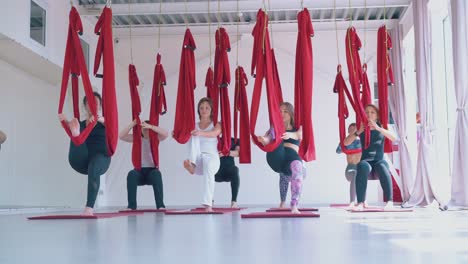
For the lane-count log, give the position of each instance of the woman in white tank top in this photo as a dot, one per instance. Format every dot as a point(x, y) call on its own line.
point(149, 173)
point(203, 151)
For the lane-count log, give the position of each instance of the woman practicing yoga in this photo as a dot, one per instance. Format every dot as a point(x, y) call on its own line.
point(229, 172)
point(352, 160)
point(90, 158)
point(372, 158)
point(285, 159)
point(203, 152)
point(149, 173)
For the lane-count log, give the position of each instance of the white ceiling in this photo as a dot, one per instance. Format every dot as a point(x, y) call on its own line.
point(144, 16)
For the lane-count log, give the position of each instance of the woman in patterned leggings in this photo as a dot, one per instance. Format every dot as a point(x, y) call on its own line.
point(285, 159)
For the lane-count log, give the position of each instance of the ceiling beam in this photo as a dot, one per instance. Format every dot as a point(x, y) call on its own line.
point(379, 14)
point(230, 6)
point(357, 12)
point(246, 28)
point(391, 12)
point(196, 18)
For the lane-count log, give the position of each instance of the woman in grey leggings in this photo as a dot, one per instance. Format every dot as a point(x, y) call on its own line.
point(352, 160)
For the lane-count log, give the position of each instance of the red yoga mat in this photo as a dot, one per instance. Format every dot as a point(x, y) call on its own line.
point(339, 205)
point(192, 212)
point(220, 209)
point(95, 216)
point(289, 209)
point(380, 210)
point(279, 215)
point(144, 211)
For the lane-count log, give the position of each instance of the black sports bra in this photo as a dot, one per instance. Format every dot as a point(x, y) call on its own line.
point(291, 140)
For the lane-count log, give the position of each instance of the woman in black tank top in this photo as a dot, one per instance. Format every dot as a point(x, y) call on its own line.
point(91, 157)
point(285, 160)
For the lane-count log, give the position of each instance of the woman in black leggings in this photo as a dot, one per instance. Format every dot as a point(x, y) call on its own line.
point(229, 172)
point(90, 158)
point(372, 158)
point(149, 173)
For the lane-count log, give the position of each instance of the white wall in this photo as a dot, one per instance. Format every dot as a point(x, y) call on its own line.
point(33, 161)
point(34, 165)
point(15, 19)
point(259, 184)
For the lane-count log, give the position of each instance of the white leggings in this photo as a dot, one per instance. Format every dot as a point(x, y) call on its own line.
point(206, 165)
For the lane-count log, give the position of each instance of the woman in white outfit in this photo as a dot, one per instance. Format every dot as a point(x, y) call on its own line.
point(203, 151)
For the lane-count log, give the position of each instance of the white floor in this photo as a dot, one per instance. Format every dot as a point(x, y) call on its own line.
point(423, 236)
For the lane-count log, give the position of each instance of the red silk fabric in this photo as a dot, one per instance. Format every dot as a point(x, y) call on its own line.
point(241, 116)
point(384, 79)
point(184, 122)
point(74, 65)
point(158, 106)
point(105, 49)
point(263, 64)
point(303, 85)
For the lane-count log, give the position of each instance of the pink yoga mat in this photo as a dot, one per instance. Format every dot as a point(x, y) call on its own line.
point(57, 217)
point(220, 209)
point(279, 215)
point(71, 216)
point(192, 212)
point(289, 209)
point(380, 210)
point(339, 205)
point(145, 211)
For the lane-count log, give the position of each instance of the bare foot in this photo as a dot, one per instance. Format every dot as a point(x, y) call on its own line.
point(366, 205)
point(74, 127)
point(189, 166)
point(388, 205)
point(295, 210)
point(351, 205)
point(208, 208)
point(359, 207)
point(87, 211)
point(234, 205)
point(281, 205)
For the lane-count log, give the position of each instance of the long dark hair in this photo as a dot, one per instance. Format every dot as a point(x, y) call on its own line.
point(210, 102)
point(96, 94)
point(290, 110)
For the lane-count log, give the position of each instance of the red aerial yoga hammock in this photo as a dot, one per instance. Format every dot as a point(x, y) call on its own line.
point(105, 49)
point(353, 44)
point(303, 85)
point(184, 122)
point(276, 79)
point(222, 79)
point(366, 98)
point(211, 91)
point(343, 113)
point(74, 64)
point(158, 107)
point(264, 63)
point(384, 78)
point(241, 105)
point(158, 102)
point(136, 110)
